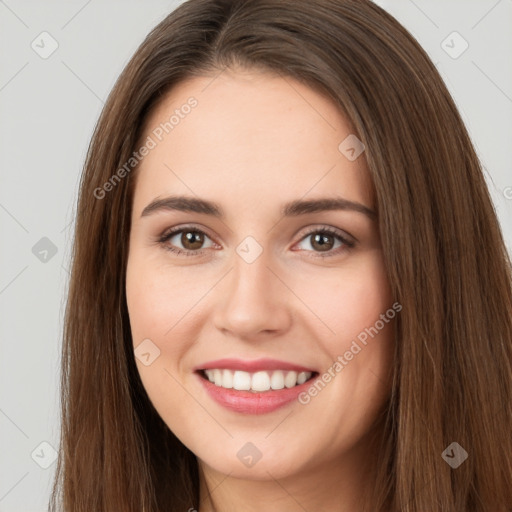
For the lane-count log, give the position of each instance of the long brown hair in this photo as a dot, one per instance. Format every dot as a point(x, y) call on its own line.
point(443, 248)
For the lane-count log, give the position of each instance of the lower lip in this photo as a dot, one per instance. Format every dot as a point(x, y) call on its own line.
point(247, 402)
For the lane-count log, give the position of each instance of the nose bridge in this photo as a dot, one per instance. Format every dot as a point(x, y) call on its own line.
point(251, 279)
point(251, 274)
point(252, 299)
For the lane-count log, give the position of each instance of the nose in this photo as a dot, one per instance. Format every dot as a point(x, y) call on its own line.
point(252, 301)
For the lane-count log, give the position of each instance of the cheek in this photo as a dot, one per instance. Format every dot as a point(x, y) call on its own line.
point(164, 306)
point(349, 299)
point(158, 298)
point(155, 307)
point(144, 301)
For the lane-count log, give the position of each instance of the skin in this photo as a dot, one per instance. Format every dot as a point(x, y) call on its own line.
point(253, 142)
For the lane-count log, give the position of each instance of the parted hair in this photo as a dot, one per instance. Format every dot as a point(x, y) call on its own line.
point(443, 249)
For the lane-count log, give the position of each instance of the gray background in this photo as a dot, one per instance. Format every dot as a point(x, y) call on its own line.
point(48, 108)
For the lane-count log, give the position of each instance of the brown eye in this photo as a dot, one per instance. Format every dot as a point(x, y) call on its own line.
point(322, 242)
point(186, 241)
point(192, 240)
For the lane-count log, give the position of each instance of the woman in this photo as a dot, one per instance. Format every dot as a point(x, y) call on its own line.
point(289, 287)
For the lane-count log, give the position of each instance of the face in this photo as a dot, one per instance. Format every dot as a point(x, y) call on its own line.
point(262, 324)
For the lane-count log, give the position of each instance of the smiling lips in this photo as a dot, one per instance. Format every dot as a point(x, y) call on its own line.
point(253, 387)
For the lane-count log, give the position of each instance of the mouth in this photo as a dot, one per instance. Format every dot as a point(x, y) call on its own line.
point(256, 382)
point(254, 387)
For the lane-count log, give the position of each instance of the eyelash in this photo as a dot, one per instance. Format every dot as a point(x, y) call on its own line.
point(348, 244)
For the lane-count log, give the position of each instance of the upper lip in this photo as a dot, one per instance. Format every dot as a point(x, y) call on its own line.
point(252, 366)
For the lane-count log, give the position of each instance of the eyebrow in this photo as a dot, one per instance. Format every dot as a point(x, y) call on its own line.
point(291, 209)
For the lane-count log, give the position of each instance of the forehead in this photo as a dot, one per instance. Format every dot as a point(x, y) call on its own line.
point(253, 134)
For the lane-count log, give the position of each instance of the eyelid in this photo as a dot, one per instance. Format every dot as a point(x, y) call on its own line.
point(347, 237)
point(191, 227)
point(348, 240)
point(168, 233)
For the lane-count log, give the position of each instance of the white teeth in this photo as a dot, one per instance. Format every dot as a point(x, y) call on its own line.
point(290, 380)
point(242, 381)
point(302, 377)
point(277, 380)
point(258, 382)
point(227, 379)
